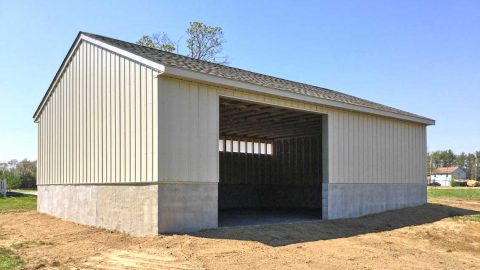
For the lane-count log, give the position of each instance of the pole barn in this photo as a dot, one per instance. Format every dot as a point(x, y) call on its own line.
point(144, 141)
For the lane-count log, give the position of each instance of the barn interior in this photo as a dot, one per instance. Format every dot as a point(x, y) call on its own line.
point(270, 164)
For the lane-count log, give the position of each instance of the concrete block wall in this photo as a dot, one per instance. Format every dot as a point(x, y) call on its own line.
point(187, 206)
point(354, 200)
point(130, 209)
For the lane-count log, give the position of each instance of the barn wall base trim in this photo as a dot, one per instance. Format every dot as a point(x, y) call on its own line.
point(354, 200)
point(129, 209)
point(187, 207)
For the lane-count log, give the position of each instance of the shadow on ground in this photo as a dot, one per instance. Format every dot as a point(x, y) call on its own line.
point(18, 194)
point(285, 234)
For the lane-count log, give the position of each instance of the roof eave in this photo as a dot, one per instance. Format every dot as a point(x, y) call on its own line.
point(202, 77)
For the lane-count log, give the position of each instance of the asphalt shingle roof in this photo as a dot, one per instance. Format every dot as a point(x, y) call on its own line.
point(445, 170)
point(223, 71)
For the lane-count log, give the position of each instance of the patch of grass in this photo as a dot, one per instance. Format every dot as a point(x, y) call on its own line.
point(17, 203)
point(475, 218)
point(454, 193)
point(31, 243)
point(8, 260)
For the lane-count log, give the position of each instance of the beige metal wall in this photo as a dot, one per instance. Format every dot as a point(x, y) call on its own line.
point(103, 124)
point(100, 124)
point(188, 134)
point(363, 148)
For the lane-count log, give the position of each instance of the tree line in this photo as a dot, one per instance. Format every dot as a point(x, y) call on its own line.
point(23, 175)
point(447, 158)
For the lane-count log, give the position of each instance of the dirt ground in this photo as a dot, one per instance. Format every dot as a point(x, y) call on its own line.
point(433, 236)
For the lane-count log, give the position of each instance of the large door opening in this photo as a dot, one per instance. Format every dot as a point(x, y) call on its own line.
point(270, 164)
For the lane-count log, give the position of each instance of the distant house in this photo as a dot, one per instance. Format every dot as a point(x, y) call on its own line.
point(444, 175)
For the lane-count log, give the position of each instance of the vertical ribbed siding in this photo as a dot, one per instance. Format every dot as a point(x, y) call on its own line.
point(363, 148)
point(100, 123)
point(188, 133)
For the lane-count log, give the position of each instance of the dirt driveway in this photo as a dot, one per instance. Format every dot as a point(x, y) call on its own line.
point(433, 236)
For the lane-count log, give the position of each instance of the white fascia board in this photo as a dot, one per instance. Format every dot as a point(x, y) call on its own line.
point(187, 74)
point(154, 65)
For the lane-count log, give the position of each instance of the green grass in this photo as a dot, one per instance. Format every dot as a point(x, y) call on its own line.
point(454, 193)
point(8, 259)
point(17, 203)
point(31, 243)
point(475, 218)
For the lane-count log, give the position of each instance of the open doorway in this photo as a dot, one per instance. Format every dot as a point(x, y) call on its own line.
point(270, 164)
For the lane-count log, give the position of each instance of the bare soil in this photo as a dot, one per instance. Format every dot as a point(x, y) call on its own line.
point(433, 236)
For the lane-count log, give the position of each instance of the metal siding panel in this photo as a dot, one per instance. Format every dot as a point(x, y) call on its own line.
point(148, 126)
point(143, 124)
point(58, 134)
point(77, 119)
point(340, 153)
point(162, 127)
point(128, 129)
point(386, 173)
point(138, 146)
point(67, 107)
point(402, 153)
point(203, 129)
point(155, 138)
point(40, 157)
point(382, 145)
point(46, 133)
point(93, 100)
point(194, 119)
point(132, 117)
point(213, 127)
point(333, 145)
point(73, 120)
point(121, 116)
point(362, 143)
point(113, 122)
point(90, 119)
point(39, 154)
point(66, 116)
point(117, 120)
point(104, 115)
point(83, 119)
point(49, 140)
point(183, 170)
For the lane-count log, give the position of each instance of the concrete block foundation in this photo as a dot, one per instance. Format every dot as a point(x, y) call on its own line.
point(354, 200)
point(134, 209)
point(188, 206)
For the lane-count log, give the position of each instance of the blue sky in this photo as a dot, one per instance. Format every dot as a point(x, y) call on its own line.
point(419, 56)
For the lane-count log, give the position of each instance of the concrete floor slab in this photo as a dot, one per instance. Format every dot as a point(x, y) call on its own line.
point(250, 217)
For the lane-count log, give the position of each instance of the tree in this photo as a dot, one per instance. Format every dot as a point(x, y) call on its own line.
point(205, 42)
point(24, 175)
point(13, 179)
point(27, 170)
point(158, 41)
point(467, 161)
point(443, 158)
